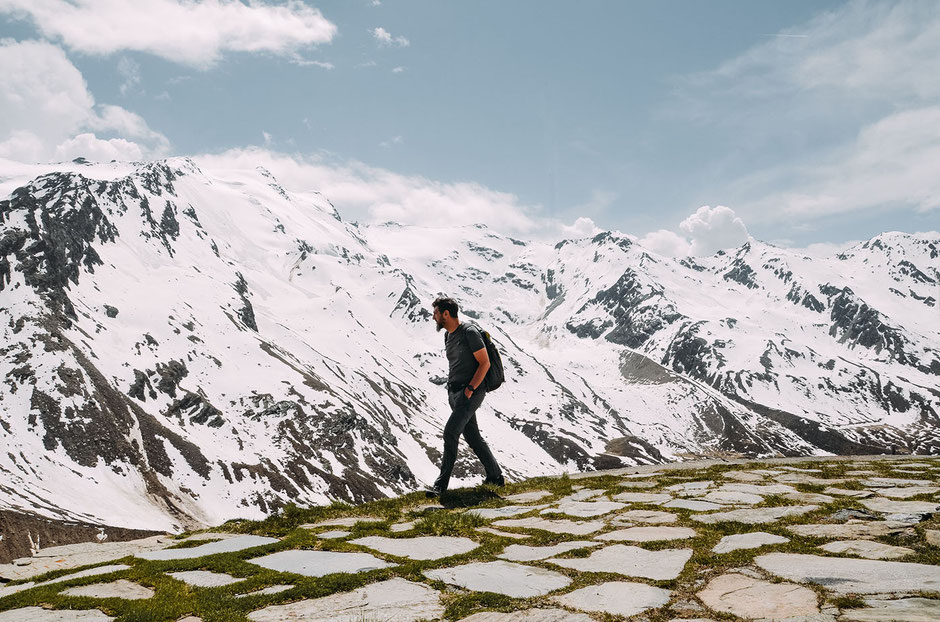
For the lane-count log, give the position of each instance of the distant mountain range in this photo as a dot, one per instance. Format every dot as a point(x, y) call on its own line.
point(181, 347)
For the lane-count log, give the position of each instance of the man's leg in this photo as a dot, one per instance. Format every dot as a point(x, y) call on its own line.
point(461, 411)
point(472, 435)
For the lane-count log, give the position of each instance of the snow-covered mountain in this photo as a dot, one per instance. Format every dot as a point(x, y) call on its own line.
point(181, 347)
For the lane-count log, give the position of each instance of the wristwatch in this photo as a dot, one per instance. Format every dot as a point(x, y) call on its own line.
point(469, 386)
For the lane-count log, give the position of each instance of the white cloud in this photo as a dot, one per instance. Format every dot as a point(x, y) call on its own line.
point(93, 148)
point(707, 230)
point(583, 227)
point(364, 193)
point(398, 70)
point(386, 144)
point(713, 228)
point(384, 37)
point(856, 101)
point(666, 242)
point(45, 103)
point(312, 63)
point(893, 164)
point(190, 33)
point(130, 71)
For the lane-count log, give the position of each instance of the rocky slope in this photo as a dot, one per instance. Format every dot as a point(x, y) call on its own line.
point(180, 347)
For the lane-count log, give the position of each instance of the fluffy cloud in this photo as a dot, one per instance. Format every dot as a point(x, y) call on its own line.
point(190, 33)
point(96, 149)
point(365, 193)
point(384, 37)
point(45, 105)
point(708, 230)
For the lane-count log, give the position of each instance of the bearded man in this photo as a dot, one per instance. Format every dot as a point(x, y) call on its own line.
point(467, 366)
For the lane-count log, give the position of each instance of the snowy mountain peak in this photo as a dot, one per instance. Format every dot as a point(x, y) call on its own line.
point(206, 344)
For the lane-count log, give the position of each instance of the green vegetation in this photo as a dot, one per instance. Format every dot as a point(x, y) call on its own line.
point(299, 528)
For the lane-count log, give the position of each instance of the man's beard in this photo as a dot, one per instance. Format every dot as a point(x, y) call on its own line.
point(440, 325)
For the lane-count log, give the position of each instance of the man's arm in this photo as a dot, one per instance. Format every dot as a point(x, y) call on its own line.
point(483, 361)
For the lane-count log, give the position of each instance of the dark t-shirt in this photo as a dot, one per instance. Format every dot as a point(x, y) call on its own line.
point(460, 346)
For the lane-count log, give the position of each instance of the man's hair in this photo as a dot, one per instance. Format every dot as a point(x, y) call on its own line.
point(446, 304)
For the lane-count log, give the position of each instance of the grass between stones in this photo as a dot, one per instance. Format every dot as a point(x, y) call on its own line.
point(174, 599)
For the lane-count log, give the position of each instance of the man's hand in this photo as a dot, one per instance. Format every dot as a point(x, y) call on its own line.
point(467, 392)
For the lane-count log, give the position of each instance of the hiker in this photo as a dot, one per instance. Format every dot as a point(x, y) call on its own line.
point(468, 364)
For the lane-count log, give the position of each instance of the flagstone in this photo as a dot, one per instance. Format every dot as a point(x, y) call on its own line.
point(333, 535)
point(732, 497)
point(615, 597)
point(91, 572)
point(860, 473)
point(349, 521)
point(644, 516)
point(273, 589)
point(851, 530)
point(758, 489)
point(908, 491)
point(515, 580)
point(808, 497)
point(900, 610)
point(694, 505)
point(643, 475)
point(753, 540)
point(503, 534)
point(319, 563)
point(858, 576)
point(691, 486)
point(744, 476)
point(859, 494)
point(583, 495)
point(399, 527)
point(529, 615)
point(76, 555)
point(799, 470)
point(577, 528)
point(754, 516)
point(521, 553)
point(642, 497)
point(867, 549)
point(631, 561)
point(635, 484)
point(751, 598)
point(585, 509)
point(890, 506)
point(647, 534)
point(800, 478)
point(502, 512)
point(205, 578)
point(891, 482)
point(38, 614)
point(932, 536)
point(223, 546)
point(423, 547)
point(395, 600)
point(122, 588)
point(528, 497)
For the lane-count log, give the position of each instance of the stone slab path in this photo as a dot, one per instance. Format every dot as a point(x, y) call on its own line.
point(778, 540)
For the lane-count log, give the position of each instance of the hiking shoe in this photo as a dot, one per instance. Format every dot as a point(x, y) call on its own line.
point(499, 481)
point(432, 491)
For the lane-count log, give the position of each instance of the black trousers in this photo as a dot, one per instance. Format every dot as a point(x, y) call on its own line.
point(463, 420)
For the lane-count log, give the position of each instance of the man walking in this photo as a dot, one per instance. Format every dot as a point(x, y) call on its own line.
point(467, 366)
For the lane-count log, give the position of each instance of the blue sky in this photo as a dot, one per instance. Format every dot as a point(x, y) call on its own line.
point(811, 122)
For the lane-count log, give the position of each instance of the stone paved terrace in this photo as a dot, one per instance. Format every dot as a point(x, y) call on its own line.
point(808, 540)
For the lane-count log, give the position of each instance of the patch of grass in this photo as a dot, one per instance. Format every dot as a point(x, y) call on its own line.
point(849, 601)
point(450, 524)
